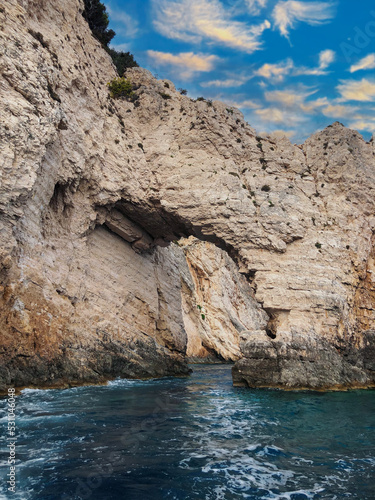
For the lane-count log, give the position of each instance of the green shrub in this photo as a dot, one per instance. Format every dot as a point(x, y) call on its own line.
point(265, 188)
point(165, 96)
point(203, 316)
point(318, 245)
point(121, 87)
point(122, 60)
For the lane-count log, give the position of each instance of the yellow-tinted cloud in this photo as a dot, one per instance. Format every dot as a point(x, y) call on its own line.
point(187, 63)
point(338, 111)
point(276, 72)
point(282, 133)
point(289, 98)
point(280, 116)
point(363, 125)
point(357, 90)
point(287, 13)
point(195, 20)
point(367, 62)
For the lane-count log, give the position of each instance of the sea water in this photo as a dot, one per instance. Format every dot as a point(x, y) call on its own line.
point(191, 438)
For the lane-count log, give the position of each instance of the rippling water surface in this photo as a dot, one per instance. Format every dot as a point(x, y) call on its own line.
point(193, 438)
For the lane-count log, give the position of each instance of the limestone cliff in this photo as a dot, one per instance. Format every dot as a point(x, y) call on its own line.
point(94, 189)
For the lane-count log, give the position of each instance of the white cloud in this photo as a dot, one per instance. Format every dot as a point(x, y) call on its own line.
point(254, 6)
point(125, 25)
point(290, 98)
point(227, 83)
point(186, 63)
point(326, 58)
point(123, 47)
point(339, 111)
point(367, 62)
point(196, 20)
point(276, 72)
point(280, 116)
point(292, 101)
point(367, 126)
point(247, 104)
point(287, 14)
point(357, 90)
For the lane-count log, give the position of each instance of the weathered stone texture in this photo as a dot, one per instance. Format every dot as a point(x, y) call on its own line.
point(94, 189)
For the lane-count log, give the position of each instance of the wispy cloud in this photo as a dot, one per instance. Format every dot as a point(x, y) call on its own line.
point(363, 125)
point(339, 111)
point(367, 62)
point(326, 58)
point(287, 14)
point(186, 63)
point(297, 99)
point(279, 116)
point(197, 20)
point(357, 90)
point(125, 25)
point(255, 6)
point(245, 104)
point(291, 98)
point(294, 106)
point(276, 72)
point(227, 83)
point(123, 47)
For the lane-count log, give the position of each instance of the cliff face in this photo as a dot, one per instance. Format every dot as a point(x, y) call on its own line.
point(93, 190)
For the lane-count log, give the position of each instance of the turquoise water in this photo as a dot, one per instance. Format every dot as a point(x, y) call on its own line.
point(192, 438)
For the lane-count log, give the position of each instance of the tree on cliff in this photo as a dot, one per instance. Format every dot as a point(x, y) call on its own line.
point(96, 15)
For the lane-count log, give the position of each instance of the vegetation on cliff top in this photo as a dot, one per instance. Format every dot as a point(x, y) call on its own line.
point(96, 15)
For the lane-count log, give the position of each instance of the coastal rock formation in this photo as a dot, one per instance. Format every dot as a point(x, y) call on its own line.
point(94, 190)
point(224, 300)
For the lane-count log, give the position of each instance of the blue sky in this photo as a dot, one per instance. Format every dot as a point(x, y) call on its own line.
point(291, 66)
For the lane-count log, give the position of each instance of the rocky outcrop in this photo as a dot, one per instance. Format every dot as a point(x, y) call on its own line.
point(94, 189)
point(300, 361)
point(224, 301)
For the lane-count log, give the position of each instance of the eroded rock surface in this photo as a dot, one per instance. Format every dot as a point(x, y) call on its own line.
point(94, 189)
point(224, 300)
